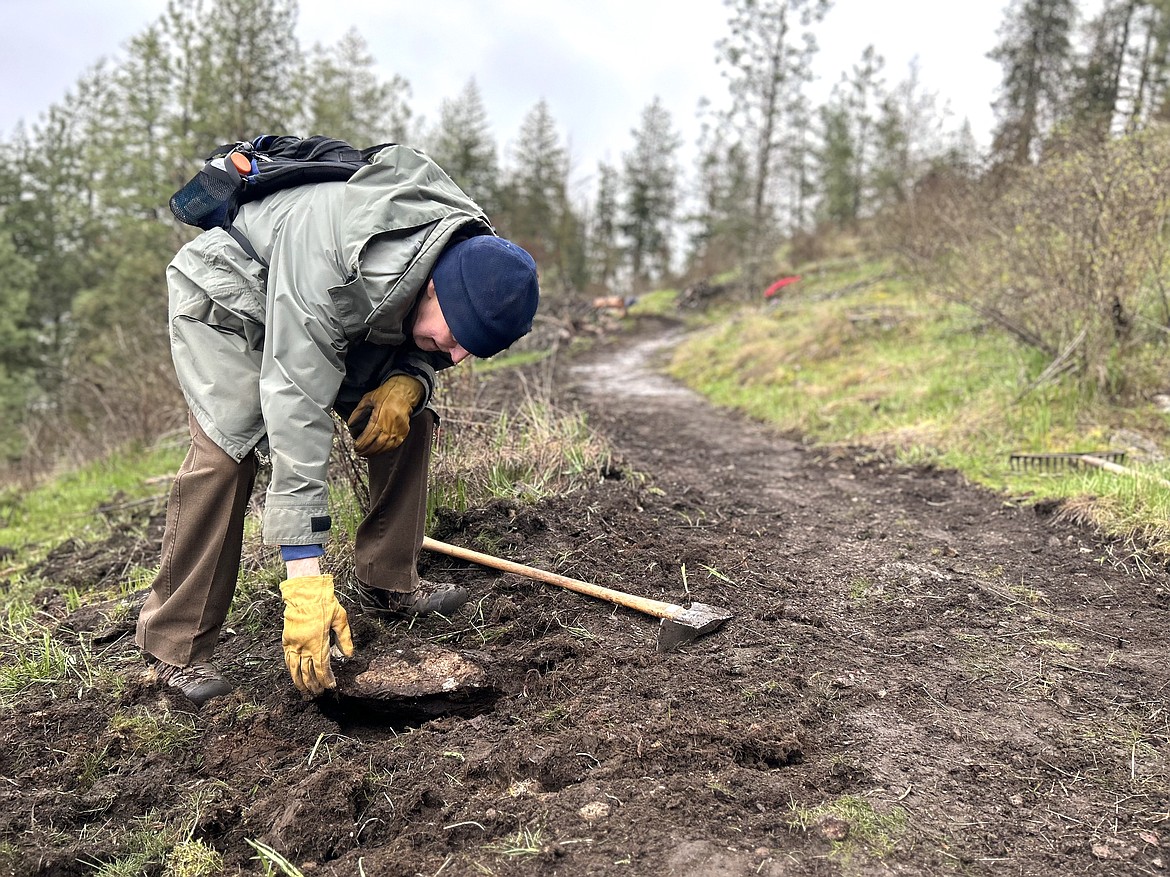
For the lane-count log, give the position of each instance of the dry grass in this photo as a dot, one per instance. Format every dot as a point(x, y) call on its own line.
point(521, 447)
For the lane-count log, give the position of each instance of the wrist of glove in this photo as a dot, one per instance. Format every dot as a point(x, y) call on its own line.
point(388, 410)
point(311, 616)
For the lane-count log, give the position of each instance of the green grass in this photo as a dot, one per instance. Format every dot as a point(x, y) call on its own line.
point(148, 731)
point(509, 360)
point(27, 660)
point(864, 827)
point(32, 521)
point(847, 361)
point(157, 846)
point(657, 303)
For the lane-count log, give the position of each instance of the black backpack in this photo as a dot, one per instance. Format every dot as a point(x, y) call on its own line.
point(237, 173)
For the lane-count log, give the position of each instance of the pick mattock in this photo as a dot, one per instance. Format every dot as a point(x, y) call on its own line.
point(680, 624)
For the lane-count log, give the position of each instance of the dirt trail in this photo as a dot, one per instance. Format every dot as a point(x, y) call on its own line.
point(921, 678)
point(671, 432)
point(998, 677)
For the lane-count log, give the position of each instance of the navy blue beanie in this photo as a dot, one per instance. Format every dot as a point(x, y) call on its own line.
point(488, 292)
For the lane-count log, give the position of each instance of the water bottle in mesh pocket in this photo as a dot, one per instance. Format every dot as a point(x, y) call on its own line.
point(209, 198)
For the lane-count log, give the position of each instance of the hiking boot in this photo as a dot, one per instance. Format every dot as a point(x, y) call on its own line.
point(199, 682)
point(426, 599)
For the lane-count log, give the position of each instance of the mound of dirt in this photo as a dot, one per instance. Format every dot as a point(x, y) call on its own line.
point(919, 678)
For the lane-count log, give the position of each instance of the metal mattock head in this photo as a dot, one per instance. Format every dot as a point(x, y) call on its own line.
point(696, 620)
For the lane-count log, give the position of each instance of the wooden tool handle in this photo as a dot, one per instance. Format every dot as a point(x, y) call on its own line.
point(642, 604)
point(1118, 469)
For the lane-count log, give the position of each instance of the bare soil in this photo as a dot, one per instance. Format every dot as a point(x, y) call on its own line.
point(921, 678)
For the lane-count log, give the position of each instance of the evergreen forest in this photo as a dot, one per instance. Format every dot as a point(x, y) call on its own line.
point(1053, 233)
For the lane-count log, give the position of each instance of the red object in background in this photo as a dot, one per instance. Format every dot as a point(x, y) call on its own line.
point(780, 284)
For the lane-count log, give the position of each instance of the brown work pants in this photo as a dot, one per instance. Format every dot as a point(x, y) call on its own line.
point(183, 615)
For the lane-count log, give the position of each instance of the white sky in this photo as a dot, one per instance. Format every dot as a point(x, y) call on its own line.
point(597, 63)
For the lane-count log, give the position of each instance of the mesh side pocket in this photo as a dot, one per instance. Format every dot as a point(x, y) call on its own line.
point(208, 199)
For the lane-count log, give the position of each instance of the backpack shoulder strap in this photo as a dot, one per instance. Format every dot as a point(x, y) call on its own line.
point(245, 244)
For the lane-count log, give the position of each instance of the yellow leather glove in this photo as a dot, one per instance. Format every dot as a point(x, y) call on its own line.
point(388, 408)
point(311, 611)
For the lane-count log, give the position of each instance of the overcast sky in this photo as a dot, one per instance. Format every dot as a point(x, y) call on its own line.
point(597, 63)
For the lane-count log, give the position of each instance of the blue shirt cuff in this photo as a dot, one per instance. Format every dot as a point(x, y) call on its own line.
point(300, 552)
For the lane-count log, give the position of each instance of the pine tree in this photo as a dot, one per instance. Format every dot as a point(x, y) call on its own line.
point(865, 94)
point(1156, 96)
point(56, 224)
point(1035, 53)
point(797, 158)
point(1123, 80)
point(344, 98)
point(464, 147)
point(847, 154)
point(650, 187)
point(137, 150)
point(1096, 78)
point(721, 224)
point(892, 172)
point(535, 192)
point(768, 61)
point(182, 38)
point(911, 137)
point(17, 330)
point(605, 254)
point(130, 164)
point(247, 55)
point(837, 163)
point(17, 374)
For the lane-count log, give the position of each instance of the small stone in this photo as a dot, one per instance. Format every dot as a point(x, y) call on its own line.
point(834, 829)
point(594, 810)
point(524, 788)
point(1113, 849)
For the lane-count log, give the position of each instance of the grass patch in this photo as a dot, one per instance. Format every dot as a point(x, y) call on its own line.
point(523, 449)
point(534, 452)
point(658, 303)
point(510, 360)
point(1058, 645)
point(162, 847)
point(31, 655)
point(148, 731)
point(194, 858)
point(30, 660)
point(858, 359)
point(1134, 741)
point(32, 521)
point(850, 823)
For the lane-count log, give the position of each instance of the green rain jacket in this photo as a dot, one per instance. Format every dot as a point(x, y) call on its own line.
point(263, 352)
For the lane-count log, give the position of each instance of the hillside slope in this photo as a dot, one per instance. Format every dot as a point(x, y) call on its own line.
point(920, 678)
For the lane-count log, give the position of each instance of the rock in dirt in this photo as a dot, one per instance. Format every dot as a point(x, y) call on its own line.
point(593, 811)
point(417, 672)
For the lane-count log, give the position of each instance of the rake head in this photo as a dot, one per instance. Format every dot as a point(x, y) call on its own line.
point(1055, 462)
